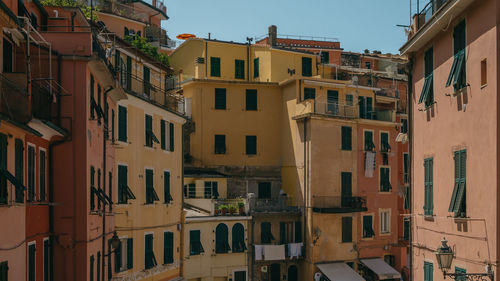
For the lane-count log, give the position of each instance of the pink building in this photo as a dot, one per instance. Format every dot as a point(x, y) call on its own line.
point(453, 50)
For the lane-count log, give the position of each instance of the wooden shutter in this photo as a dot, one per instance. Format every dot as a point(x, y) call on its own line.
point(346, 189)
point(146, 80)
point(46, 256)
point(31, 262)
point(171, 136)
point(194, 241)
point(368, 140)
point(346, 138)
point(251, 145)
point(265, 229)
point(130, 253)
point(346, 229)
point(91, 268)
point(298, 232)
point(239, 71)
point(148, 130)
point(220, 98)
point(306, 66)
point(168, 247)
point(149, 187)
point(148, 248)
point(238, 233)
point(215, 66)
point(256, 68)
point(19, 155)
point(283, 233)
point(166, 187)
point(92, 99)
point(251, 99)
point(162, 136)
point(122, 123)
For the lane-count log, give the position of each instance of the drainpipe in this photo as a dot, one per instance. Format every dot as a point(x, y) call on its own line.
point(410, 155)
point(306, 192)
point(206, 57)
point(103, 178)
point(183, 218)
point(73, 15)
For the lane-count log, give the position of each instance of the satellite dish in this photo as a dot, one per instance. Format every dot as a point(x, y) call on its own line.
point(185, 36)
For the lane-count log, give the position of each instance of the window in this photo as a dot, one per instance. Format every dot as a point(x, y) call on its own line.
point(239, 69)
point(385, 179)
point(369, 145)
point(150, 136)
point(124, 192)
point(124, 255)
point(110, 190)
point(458, 198)
point(428, 271)
point(427, 94)
point(365, 107)
point(264, 190)
point(221, 239)
point(406, 178)
point(390, 260)
point(256, 68)
point(149, 255)
point(484, 73)
point(91, 268)
point(368, 65)
point(290, 232)
point(428, 186)
point(406, 229)
point(19, 169)
point(266, 236)
point(457, 74)
point(4, 271)
point(98, 266)
point(98, 107)
point(306, 67)
point(220, 144)
point(122, 123)
point(31, 172)
point(368, 226)
point(404, 126)
point(7, 56)
point(325, 57)
point(195, 245)
point(407, 198)
point(168, 247)
point(125, 31)
point(239, 245)
point(346, 229)
point(113, 125)
point(460, 271)
point(211, 189)
point(31, 261)
point(251, 99)
point(385, 221)
point(346, 138)
point(92, 99)
point(146, 77)
point(220, 98)
point(384, 142)
point(171, 137)
point(46, 260)
point(163, 131)
point(3, 167)
point(349, 99)
point(346, 189)
point(309, 93)
point(43, 174)
point(251, 145)
point(151, 195)
point(192, 191)
point(214, 66)
point(166, 187)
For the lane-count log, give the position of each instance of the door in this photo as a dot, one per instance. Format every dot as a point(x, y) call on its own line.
point(146, 80)
point(240, 276)
point(346, 189)
point(332, 99)
point(275, 272)
point(293, 273)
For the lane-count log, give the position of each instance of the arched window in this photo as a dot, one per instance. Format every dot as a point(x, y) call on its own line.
point(239, 238)
point(221, 239)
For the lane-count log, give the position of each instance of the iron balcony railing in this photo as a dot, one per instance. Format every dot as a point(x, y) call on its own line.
point(271, 205)
point(426, 13)
point(14, 100)
point(335, 109)
point(338, 204)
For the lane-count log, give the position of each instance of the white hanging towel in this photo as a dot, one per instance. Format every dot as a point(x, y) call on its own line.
point(295, 250)
point(369, 164)
point(259, 250)
point(274, 252)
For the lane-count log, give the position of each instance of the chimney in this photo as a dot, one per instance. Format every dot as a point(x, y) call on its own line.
point(273, 35)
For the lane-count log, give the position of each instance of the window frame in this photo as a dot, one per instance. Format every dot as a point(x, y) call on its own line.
point(31, 244)
point(251, 151)
point(250, 95)
point(239, 69)
point(429, 186)
point(347, 146)
point(217, 141)
point(381, 188)
point(217, 100)
point(382, 230)
point(363, 236)
point(122, 109)
point(215, 66)
point(40, 149)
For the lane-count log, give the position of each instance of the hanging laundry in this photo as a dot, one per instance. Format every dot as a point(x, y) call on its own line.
point(295, 250)
point(259, 251)
point(369, 164)
point(274, 252)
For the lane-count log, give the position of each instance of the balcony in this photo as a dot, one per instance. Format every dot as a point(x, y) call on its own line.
point(14, 101)
point(338, 204)
point(287, 251)
point(272, 205)
point(425, 14)
point(328, 109)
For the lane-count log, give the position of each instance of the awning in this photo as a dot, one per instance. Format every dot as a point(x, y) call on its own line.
point(339, 271)
point(381, 268)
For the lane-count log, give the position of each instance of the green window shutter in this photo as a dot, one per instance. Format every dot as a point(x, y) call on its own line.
point(148, 130)
point(166, 187)
point(4, 271)
point(46, 256)
point(92, 187)
point(251, 145)
point(368, 227)
point(239, 69)
point(251, 99)
point(298, 232)
point(19, 159)
point(31, 262)
point(369, 145)
point(309, 93)
point(346, 189)
point(428, 271)
point(163, 139)
point(406, 229)
point(118, 259)
point(194, 241)
point(117, 59)
point(220, 98)
point(149, 187)
point(220, 144)
point(256, 68)
point(3, 166)
point(91, 268)
point(168, 247)
point(122, 183)
point(99, 103)
point(221, 239)
point(458, 198)
point(215, 66)
point(266, 235)
point(282, 233)
point(171, 136)
point(306, 67)
point(346, 138)
point(238, 238)
point(346, 229)
point(98, 266)
point(130, 253)
point(384, 142)
point(428, 185)
point(146, 85)
point(92, 98)
point(460, 271)
point(427, 94)
point(122, 123)
point(148, 251)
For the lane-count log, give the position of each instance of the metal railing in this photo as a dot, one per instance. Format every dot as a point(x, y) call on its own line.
point(379, 115)
point(425, 14)
point(124, 10)
point(280, 204)
point(335, 109)
point(14, 100)
point(230, 207)
point(338, 202)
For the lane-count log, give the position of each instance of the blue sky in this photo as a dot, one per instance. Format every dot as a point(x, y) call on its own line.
point(358, 24)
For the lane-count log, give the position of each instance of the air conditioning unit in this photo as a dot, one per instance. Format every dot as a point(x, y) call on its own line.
point(263, 268)
point(200, 60)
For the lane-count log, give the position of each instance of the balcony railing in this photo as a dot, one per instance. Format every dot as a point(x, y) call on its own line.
point(330, 109)
point(339, 204)
point(14, 100)
point(425, 14)
point(335, 109)
point(272, 205)
point(124, 10)
point(379, 115)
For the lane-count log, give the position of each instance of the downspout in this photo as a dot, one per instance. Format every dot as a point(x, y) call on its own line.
point(248, 61)
point(183, 218)
point(410, 154)
point(206, 57)
point(103, 178)
point(306, 192)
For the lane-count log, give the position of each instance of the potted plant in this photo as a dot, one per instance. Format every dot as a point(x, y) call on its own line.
point(223, 209)
point(232, 209)
point(241, 207)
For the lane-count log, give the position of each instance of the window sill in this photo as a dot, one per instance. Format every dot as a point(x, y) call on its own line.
point(429, 217)
point(385, 233)
point(385, 192)
point(483, 86)
point(368, 238)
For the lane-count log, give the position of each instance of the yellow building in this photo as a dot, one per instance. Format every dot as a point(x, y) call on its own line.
point(216, 229)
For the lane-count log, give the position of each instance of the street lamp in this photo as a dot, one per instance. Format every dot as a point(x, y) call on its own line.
point(444, 257)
